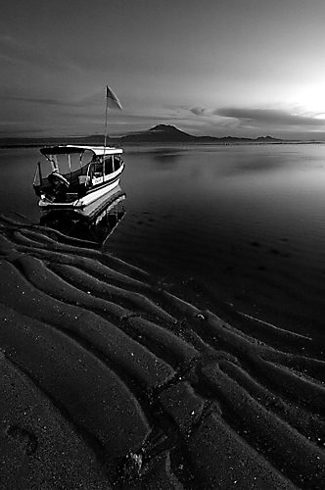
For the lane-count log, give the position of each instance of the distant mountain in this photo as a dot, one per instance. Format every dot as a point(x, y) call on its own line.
point(159, 133)
point(169, 133)
point(267, 139)
point(162, 133)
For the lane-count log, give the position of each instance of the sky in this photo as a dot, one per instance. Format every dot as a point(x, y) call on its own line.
point(210, 67)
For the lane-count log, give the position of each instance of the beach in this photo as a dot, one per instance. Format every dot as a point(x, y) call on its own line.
point(114, 378)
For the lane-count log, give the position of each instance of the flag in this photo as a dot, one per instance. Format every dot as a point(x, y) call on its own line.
point(112, 99)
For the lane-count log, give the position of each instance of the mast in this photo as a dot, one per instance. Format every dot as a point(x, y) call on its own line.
point(106, 128)
point(106, 118)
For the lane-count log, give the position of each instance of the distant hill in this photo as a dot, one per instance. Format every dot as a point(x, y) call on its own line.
point(169, 133)
point(68, 140)
point(162, 133)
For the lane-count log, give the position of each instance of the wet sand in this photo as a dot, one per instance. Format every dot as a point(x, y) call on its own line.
point(112, 378)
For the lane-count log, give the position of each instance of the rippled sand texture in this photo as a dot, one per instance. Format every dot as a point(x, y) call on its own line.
point(110, 379)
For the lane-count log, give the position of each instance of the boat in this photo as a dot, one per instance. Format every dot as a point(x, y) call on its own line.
point(95, 223)
point(76, 175)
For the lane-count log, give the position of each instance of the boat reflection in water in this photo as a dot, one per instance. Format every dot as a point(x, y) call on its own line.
point(94, 222)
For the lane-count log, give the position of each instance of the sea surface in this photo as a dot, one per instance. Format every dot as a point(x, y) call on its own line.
point(245, 223)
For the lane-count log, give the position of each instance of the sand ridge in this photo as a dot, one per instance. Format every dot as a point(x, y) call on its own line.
point(112, 379)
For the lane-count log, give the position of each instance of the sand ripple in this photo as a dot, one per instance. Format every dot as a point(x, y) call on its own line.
point(112, 379)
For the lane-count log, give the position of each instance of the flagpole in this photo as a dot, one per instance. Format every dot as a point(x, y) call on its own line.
point(106, 118)
point(106, 128)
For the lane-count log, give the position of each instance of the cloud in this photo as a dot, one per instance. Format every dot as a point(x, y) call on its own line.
point(85, 102)
point(35, 100)
point(19, 51)
point(270, 118)
point(198, 111)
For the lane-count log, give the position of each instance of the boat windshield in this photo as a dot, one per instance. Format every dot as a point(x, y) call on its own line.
point(66, 163)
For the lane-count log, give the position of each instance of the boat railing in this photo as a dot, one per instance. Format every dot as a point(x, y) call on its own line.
point(95, 169)
point(37, 180)
point(89, 171)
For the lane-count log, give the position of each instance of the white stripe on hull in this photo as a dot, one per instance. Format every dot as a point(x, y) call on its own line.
point(85, 200)
point(92, 196)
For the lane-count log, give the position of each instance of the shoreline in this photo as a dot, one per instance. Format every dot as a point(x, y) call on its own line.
point(112, 378)
point(155, 144)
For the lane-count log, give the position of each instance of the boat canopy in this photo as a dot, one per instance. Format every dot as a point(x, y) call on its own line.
point(68, 149)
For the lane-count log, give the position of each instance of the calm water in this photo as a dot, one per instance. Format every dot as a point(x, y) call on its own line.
point(248, 222)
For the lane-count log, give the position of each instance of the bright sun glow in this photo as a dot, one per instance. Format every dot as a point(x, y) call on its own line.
point(312, 99)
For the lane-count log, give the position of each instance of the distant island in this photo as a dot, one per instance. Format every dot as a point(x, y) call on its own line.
point(169, 133)
point(162, 133)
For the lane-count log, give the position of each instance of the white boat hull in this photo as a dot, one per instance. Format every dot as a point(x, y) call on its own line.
point(96, 194)
point(89, 198)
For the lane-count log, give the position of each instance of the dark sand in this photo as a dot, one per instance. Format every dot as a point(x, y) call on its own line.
point(112, 379)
